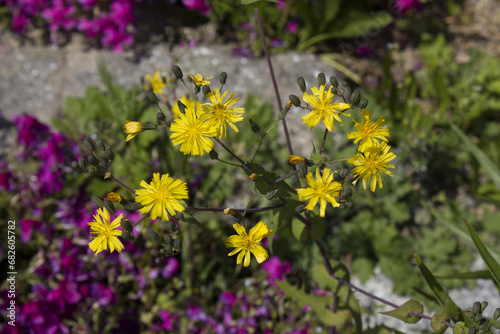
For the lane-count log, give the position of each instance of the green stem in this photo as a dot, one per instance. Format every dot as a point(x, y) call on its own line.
point(227, 149)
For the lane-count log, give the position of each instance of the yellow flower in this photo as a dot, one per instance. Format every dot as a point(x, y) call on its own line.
point(155, 83)
point(373, 161)
point(114, 197)
point(368, 131)
point(192, 130)
point(295, 159)
point(162, 197)
point(321, 103)
point(133, 129)
point(105, 233)
point(199, 80)
point(321, 189)
point(188, 102)
point(219, 112)
point(249, 243)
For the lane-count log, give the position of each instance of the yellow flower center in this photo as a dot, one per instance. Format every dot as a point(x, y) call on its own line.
point(219, 110)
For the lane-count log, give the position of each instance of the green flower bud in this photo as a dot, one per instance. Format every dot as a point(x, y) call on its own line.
point(347, 192)
point(89, 143)
point(157, 260)
point(75, 166)
point(81, 163)
point(223, 78)
point(109, 206)
point(91, 170)
point(364, 103)
point(270, 195)
point(169, 241)
point(125, 224)
point(282, 114)
point(179, 216)
point(160, 116)
point(181, 106)
point(154, 252)
point(338, 177)
point(334, 82)
point(100, 144)
point(177, 244)
point(342, 206)
point(254, 126)
point(152, 97)
point(97, 201)
point(321, 79)
point(471, 330)
point(496, 315)
point(197, 89)
point(213, 155)
point(133, 206)
point(109, 155)
point(127, 236)
point(206, 90)
point(154, 236)
point(295, 100)
point(177, 72)
point(484, 305)
point(484, 324)
point(302, 84)
point(343, 84)
point(301, 208)
point(355, 97)
point(169, 226)
point(476, 308)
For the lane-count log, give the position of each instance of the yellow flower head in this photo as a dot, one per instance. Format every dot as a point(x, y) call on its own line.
point(193, 132)
point(321, 103)
point(105, 233)
point(249, 243)
point(155, 83)
point(220, 112)
point(162, 197)
point(114, 197)
point(199, 80)
point(295, 159)
point(373, 161)
point(321, 189)
point(188, 102)
point(368, 131)
point(133, 129)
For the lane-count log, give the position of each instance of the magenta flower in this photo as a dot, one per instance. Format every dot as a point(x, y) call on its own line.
point(167, 322)
point(60, 15)
point(365, 51)
point(199, 5)
point(116, 39)
point(292, 26)
point(6, 177)
point(170, 268)
point(276, 269)
point(66, 293)
point(30, 130)
point(27, 226)
point(20, 22)
point(404, 5)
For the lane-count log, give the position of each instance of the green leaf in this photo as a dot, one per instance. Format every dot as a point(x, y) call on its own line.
point(490, 262)
point(299, 230)
point(481, 274)
point(459, 328)
point(271, 225)
point(438, 290)
point(318, 304)
point(402, 312)
point(188, 218)
point(443, 314)
point(491, 170)
point(318, 227)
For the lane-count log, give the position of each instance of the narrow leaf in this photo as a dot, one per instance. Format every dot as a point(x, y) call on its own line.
point(491, 170)
point(490, 262)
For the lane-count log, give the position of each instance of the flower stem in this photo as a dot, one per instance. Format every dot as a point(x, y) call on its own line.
point(285, 176)
point(323, 143)
point(240, 210)
point(122, 184)
point(273, 77)
point(227, 149)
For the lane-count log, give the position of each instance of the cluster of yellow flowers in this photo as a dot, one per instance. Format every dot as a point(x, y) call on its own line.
point(196, 125)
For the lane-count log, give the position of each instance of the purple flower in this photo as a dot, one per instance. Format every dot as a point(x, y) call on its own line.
point(281, 5)
point(60, 16)
point(103, 294)
point(404, 5)
point(20, 22)
point(199, 5)
point(167, 322)
point(227, 298)
point(65, 293)
point(170, 268)
point(276, 43)
point(365, 51)
point(27, 226)
point(243, 52)
point(6, 177)
point(276, 269)
point(292, 26)
point(116, 38)
point(30, 130)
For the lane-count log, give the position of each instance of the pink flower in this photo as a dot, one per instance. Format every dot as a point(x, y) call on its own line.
point(199, 5)
point(276, 269)
point(292, 27)
point(60, 16)
point(404, 5)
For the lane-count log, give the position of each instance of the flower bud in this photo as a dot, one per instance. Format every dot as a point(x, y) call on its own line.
point(133, 206)
point(223, 78)
point(343, 84)
point(109, 206)
point(154, 236)
point(484, 305)
point(152, 97)
point(81, 163)
point(496, 315)
point(114, 197)
point(295, 159)
point(254, 176)
point(301, 208)
point(160, 116)
point(213, 155)
point(282, 113)
point(169, 241)
point(89, 143)
point(254, 126)
point(338, 177)
point(355, 97)
point(228, 211)
point(91, 170)
point(334, 82)
point(109, 154)
point(177, 244)
point(177, 72)
point(206, 90)
point(127, 227)
point(364, 103)
point(179, 216)
point(484, 324)
point(197, 89)
point(302, 84)
point(154, 252)
point(295, 100)
point(342, 206)
point(476, 308)
point(127, 236)
point(347, 192)
point(75, 166)
point(169, 226)
point(181, 106)
point(97, 201)
point(321, 79)
point(100, 144)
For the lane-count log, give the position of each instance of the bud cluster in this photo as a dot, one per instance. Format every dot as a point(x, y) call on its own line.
point(169, 243)
point(97, 160)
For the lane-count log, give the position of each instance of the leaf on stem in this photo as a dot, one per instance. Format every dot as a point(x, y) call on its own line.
point(403, 312)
